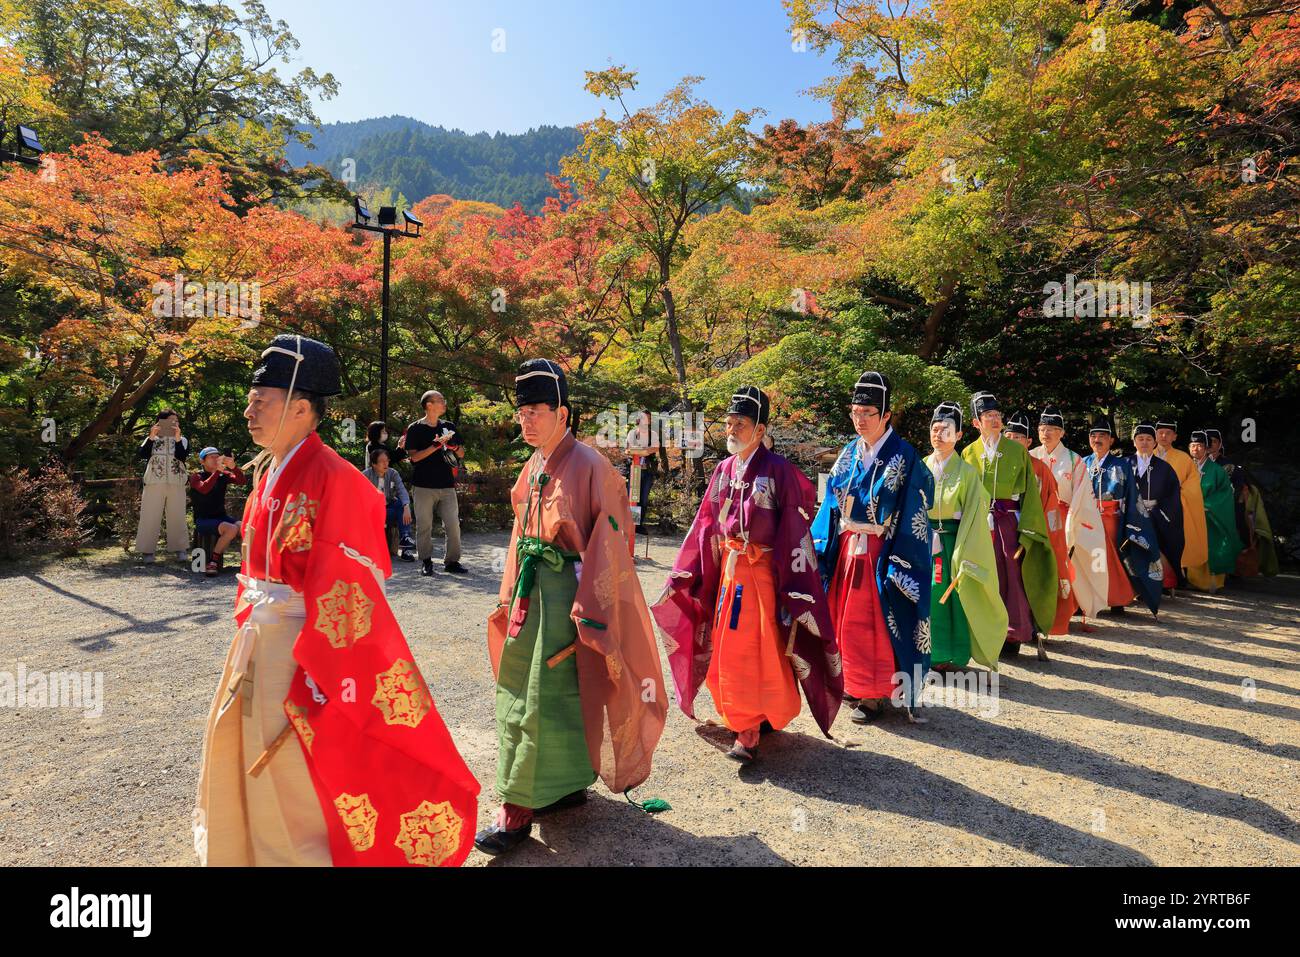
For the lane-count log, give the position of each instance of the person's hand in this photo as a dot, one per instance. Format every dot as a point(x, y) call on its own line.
point(228, 461)
point(153, 431)
point(401, 443)
point(406, 515)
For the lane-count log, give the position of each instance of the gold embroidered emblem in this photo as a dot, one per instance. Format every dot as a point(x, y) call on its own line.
point(294, 529)
point(343, 614)
point(834, 664)
point(401, 696)
point(359, 819)
point(614, 666)
point(430, 834)
point(298, 716)
point(610, 579)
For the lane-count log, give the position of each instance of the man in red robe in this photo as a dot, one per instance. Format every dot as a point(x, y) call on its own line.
point(323, 745)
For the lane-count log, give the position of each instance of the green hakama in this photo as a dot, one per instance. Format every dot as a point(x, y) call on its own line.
point(949, 633)
point(543, 744)
point(972, 622)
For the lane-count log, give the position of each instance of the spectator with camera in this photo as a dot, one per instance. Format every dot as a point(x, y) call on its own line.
point(165, 480)
point(208, 492)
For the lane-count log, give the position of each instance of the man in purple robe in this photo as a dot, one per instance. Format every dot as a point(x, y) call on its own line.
point(743, 609)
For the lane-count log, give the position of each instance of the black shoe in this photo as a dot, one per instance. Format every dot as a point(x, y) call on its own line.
point(766, 728)
point(427, 568)
point(406, 556)
point(576, 799)
point(496, 840)
point(407, 544)
point(1010, 650)
point(1118, 610)
point(456, 568)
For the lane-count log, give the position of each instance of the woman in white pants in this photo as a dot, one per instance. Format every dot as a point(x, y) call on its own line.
point(165, 482)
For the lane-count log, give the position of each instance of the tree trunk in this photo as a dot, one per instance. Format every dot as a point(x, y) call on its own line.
point(930, 342)
point(123, 399)
point(679, 361)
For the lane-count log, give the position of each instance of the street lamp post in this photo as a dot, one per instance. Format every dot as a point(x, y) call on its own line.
point(388, 227)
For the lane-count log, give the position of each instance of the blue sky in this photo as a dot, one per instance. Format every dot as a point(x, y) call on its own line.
point(433, 59)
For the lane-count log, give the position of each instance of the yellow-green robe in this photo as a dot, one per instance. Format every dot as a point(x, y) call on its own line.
point(1009, 475)
point(960, 495)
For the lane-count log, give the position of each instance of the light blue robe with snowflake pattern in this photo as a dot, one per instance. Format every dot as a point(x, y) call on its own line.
point(896, 490)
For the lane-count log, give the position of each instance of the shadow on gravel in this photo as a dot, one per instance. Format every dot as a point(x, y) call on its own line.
point(131, 624)
point(1191, 641)
point(876, 782)
point(1145, 664)
point(959, 731)
point(1079, 701)
point(608, 831)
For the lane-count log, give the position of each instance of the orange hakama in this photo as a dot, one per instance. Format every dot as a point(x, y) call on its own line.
point(1119, 590)
point(750, 677)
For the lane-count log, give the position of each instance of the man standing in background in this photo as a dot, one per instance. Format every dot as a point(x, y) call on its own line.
point(1080, 518)
point(1196, 549)
point(432, 444)
point(165, 482)
point(208, 492)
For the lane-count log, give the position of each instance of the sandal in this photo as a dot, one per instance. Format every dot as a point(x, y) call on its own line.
point(741, 753)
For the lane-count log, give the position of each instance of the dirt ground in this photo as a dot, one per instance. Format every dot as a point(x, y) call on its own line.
point(1135, 744)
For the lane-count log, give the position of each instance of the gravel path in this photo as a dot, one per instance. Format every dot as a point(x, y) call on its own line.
point(1135, 744)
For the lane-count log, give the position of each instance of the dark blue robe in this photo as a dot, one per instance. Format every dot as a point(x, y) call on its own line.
point(1160, 485)
point(896, 492)
point(1113, 480)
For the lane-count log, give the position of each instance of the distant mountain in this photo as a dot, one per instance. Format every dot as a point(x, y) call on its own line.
point(420, 160)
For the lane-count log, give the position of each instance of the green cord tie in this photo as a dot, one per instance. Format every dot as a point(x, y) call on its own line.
point(652, 806)
point(531, 551)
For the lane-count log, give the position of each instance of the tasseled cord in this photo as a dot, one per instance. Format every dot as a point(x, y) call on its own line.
point(652, 806)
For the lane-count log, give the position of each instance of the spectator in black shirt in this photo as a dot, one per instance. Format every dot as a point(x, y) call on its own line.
point(208, 493)
point(435, 451)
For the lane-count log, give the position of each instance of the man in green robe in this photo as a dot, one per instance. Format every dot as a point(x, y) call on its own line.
point(968, 620)
point(1220, 519)
point(579, 684)
point(1025, 560)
